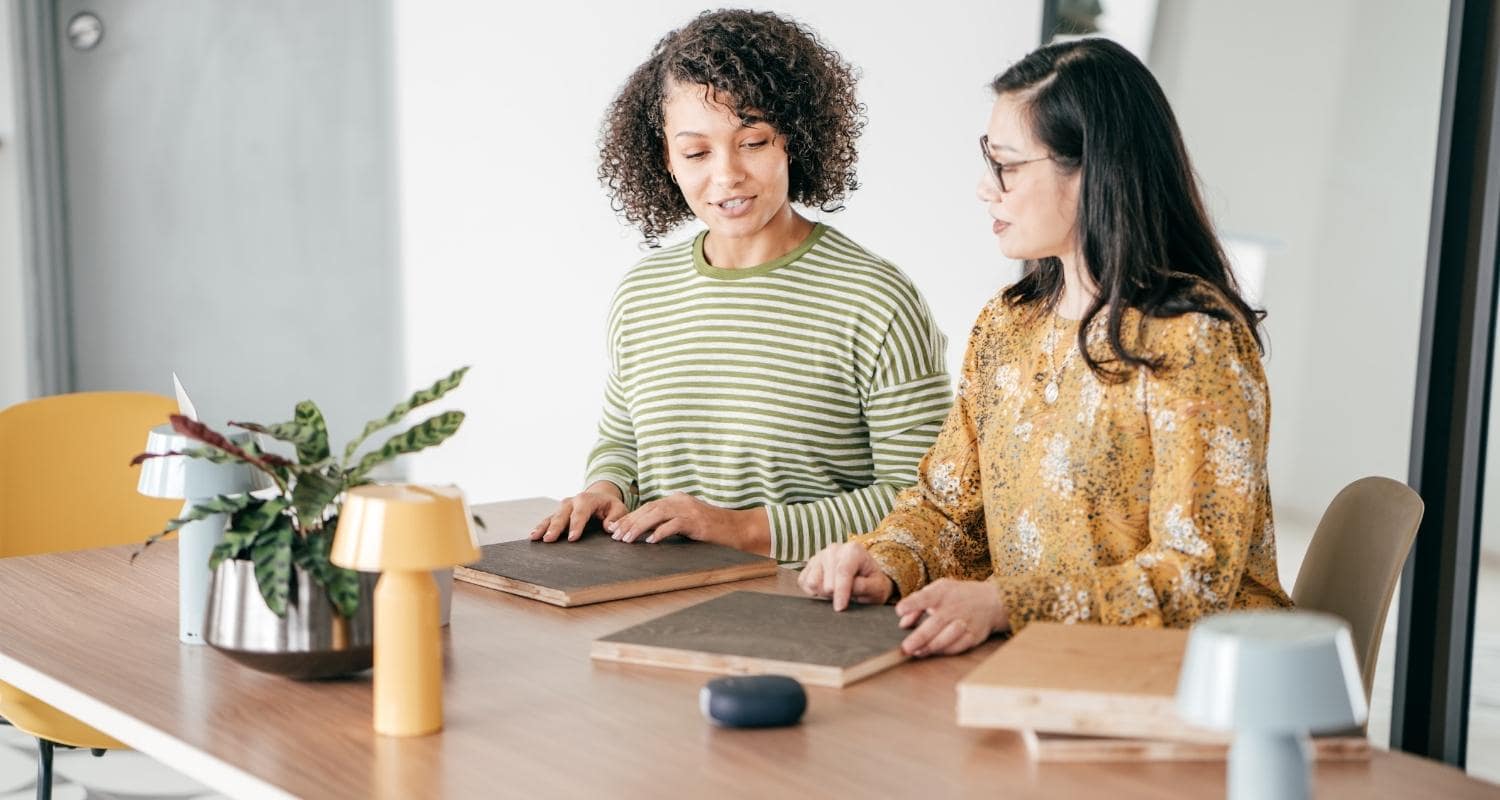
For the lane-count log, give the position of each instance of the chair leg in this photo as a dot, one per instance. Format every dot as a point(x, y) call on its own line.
point(43, 769)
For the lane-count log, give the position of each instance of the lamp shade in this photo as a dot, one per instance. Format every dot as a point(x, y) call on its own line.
point(1271, 671)
point(404, 527)
point(186, 478)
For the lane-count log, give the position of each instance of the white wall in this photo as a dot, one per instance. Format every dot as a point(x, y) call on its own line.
point(510, 250)
point(1314, 126)
point(13, 344)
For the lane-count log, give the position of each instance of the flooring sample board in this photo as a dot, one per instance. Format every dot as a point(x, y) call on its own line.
point(597, 568)
point(754, 633)
point(1094, 680)
point(1101, 693)
point(1062, 747)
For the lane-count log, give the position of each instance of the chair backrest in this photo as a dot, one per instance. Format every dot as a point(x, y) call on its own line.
point(1355, 560)
point(65, 477)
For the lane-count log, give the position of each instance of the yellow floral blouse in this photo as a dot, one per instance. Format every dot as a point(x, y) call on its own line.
point(1142, 502)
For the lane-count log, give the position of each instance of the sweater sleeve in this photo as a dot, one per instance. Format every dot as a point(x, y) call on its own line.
point(613, 458)
point(903, 407)
point(1208, 424)
point(936, 527)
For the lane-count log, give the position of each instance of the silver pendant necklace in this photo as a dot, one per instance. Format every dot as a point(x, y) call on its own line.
point(1050, 391)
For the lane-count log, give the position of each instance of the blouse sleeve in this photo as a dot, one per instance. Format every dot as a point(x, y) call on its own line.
point(936, 528)
point(1208, 421)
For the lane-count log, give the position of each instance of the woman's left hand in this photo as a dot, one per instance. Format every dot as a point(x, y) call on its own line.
point(954, 615)
point(681, 514)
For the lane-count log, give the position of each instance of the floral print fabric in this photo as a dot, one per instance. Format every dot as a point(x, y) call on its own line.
point(1138, 502)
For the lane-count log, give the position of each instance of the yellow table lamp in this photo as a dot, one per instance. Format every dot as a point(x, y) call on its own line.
point(405, 532)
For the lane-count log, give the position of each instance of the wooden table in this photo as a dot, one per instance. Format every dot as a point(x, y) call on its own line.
point(528, 713)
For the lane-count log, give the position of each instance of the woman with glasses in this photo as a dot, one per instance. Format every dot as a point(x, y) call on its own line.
point(772, 384)
point(1105, 461)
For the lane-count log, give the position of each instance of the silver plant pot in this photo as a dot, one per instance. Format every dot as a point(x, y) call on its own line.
point(311, 641)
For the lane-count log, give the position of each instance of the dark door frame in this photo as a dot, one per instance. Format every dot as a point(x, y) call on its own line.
point(1450, 419)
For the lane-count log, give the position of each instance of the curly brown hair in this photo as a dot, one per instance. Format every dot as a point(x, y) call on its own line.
point(761, 65)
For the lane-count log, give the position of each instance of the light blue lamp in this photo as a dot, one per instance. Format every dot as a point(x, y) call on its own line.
point(194, 480)
point(1271, 677)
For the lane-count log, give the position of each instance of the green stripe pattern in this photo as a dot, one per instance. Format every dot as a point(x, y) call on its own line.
point(811, 385)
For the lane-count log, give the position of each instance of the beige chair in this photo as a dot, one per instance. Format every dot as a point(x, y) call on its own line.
point(1355, 560)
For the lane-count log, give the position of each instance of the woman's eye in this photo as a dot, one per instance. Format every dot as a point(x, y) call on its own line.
point(696, 155)
point(756, 145)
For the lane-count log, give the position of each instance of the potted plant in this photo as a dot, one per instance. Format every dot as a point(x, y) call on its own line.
point(311, 621)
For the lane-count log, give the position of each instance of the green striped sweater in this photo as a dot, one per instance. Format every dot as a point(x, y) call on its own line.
point(811, 385)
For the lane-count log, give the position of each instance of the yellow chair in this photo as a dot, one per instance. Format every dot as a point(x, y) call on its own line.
point(1355, 559)
point(66, 484)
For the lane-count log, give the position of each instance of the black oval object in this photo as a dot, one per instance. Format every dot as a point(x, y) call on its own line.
point(753, 701)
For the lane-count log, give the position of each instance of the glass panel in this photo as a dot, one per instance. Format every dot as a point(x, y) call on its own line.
point(1316, 157)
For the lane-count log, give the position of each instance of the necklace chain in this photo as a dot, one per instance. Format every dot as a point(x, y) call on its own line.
point(1050, 393)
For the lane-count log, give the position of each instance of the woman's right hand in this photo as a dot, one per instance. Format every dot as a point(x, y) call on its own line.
point(600, 501)
point(846, 572)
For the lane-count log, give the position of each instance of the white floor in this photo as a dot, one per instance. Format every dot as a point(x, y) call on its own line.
point(78, 775)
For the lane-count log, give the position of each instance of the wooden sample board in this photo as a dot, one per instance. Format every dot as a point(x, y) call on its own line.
point(1064, 748)
point(1068, 685)
point(754, 633)
point(597, 568)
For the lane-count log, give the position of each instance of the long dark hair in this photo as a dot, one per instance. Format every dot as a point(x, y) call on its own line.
point(1144, 235)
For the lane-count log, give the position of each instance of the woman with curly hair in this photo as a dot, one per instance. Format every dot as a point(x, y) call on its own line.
point(1105, 461)
point(772, 384)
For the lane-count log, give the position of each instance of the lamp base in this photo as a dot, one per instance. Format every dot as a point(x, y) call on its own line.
point(195, 543)
point(408, 655)
point(1266, 764)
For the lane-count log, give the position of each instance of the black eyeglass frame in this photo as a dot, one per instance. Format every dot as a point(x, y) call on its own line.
point(998, 168)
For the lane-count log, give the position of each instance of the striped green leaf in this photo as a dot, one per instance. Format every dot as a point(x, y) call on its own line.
point(341, 584)
point(259, 515)
point(225, 549)
point(272, 554)
point(307, 431)
point(421, 397)
point(213, 454)
point(223, 504)
point(311, 496)
point(431, 431)
point(245, 526)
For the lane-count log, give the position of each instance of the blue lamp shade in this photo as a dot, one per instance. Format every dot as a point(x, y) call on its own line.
point(1272, 677)
point(184, 478)
point(1271, 670)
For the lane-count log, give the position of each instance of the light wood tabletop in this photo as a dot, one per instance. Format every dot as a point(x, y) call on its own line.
point(529, 714)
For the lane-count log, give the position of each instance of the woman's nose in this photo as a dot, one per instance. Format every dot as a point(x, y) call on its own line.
point(986, 190)
point(728, 171)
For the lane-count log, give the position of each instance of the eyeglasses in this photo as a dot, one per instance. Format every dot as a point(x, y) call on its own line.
point(999, 168)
